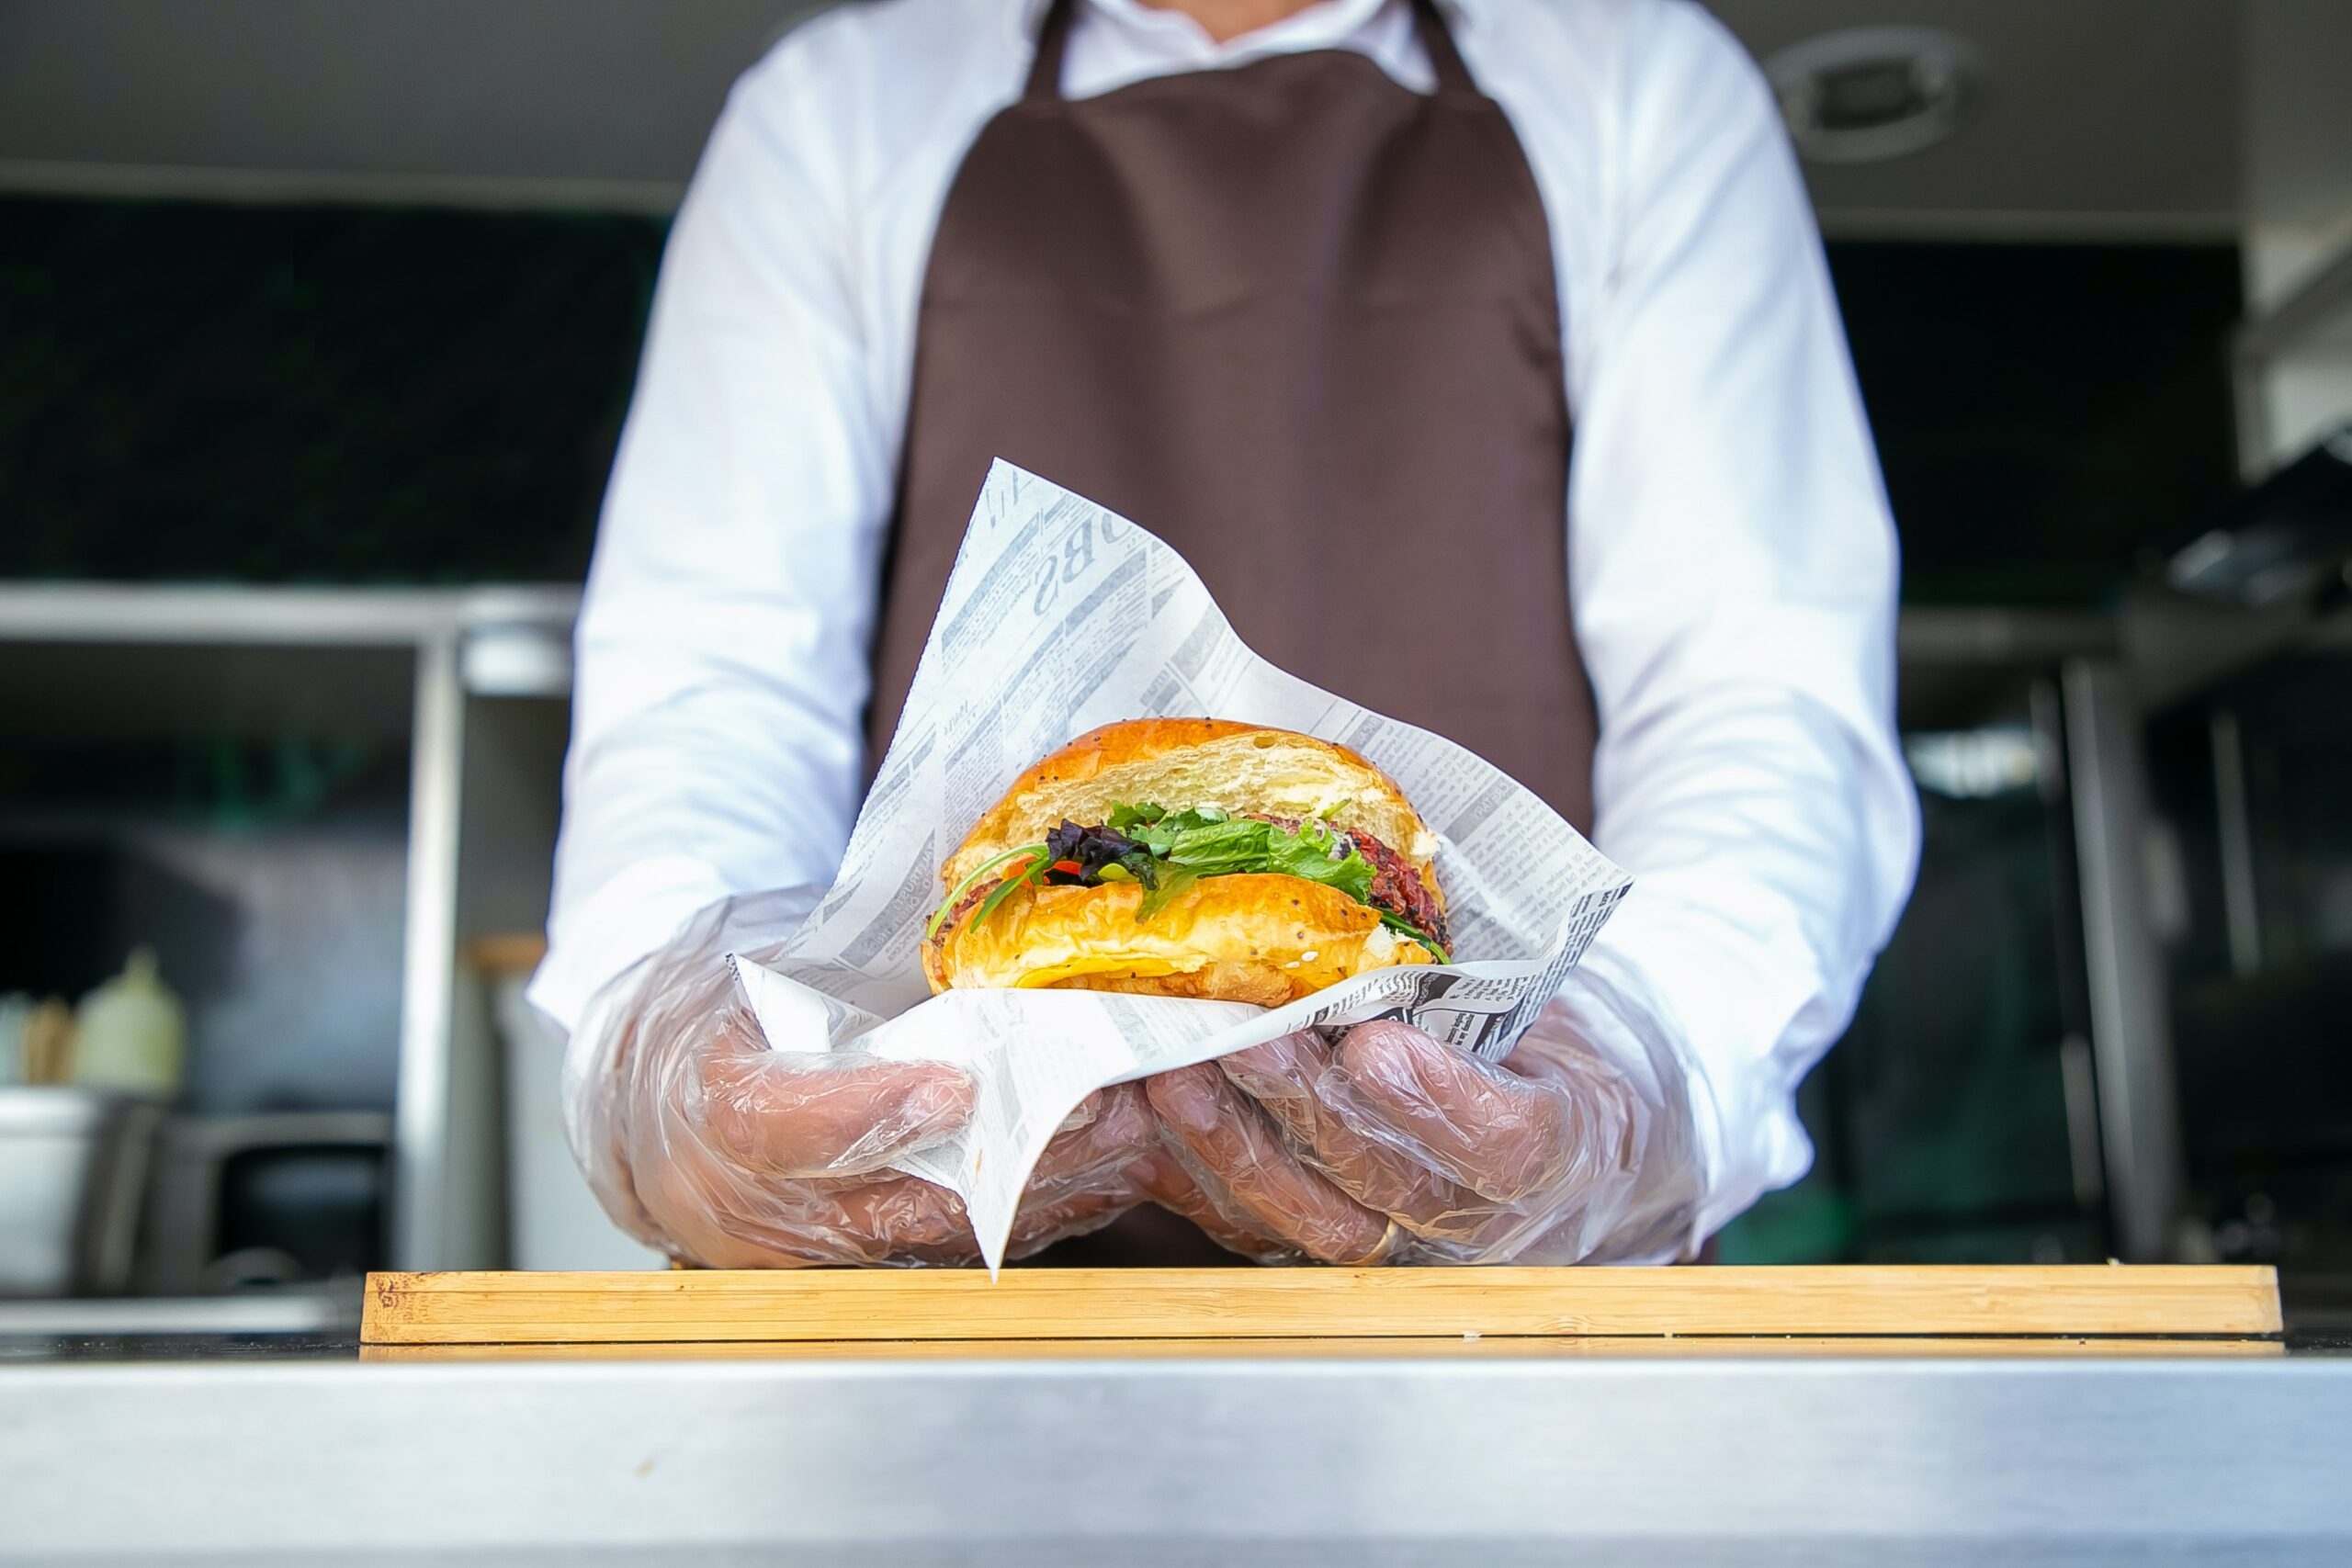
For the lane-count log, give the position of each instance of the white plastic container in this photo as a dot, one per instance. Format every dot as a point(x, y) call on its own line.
point(73, 1168)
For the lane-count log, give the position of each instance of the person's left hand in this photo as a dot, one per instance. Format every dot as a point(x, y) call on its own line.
point(1394, 1147)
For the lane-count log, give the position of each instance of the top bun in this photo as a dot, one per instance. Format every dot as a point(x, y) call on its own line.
point(1185, 762)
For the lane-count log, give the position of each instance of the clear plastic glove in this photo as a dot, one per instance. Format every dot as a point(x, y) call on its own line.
point(1394, 1148)
point(705, 1143)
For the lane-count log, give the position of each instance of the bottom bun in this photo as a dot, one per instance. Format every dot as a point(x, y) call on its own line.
point(1252, 936)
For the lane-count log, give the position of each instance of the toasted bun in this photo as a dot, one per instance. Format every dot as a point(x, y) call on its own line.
point(1247, 938)
point(1251, 938)
point(1181, 762)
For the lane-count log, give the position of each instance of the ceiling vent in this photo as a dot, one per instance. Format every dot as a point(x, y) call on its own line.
point(1861, 94)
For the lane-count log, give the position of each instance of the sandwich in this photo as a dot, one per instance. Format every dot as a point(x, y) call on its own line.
point(1190, 857)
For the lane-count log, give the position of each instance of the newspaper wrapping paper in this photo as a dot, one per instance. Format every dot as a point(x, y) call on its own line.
point(1061, 616)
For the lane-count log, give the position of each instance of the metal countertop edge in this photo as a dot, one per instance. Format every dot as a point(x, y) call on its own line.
point(1511, 1370)
point(2154, 1458)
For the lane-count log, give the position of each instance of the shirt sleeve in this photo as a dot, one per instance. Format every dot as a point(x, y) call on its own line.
point(1733, 572)
point(722, 649)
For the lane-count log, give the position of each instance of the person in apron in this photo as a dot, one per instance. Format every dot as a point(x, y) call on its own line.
point(1283, 284)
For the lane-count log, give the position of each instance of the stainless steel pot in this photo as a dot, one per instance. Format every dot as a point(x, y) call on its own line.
point(72, 1166)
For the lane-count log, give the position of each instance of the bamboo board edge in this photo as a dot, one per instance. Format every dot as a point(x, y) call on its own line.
point(1233, 1304)
point(1593, 1348)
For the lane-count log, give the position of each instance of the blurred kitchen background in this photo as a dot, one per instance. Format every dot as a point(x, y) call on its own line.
point(317, 323)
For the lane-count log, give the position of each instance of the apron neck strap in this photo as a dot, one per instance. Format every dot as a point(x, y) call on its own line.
point(1045, 66)
point(1437, 42)
point(1053, 41)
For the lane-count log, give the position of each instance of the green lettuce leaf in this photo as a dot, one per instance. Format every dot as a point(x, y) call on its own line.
point(1178, 848)
point(1206, 841)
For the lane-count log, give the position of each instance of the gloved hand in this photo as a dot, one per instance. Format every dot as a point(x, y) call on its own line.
point(705, 1143)
point(1392, 1147)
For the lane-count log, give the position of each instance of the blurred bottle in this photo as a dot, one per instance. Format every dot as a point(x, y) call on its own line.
point(129, 1032)
point(15, 1013)
point(48, 1044)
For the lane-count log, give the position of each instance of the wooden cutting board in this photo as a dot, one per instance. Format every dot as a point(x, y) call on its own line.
point(1716, 1346)
point(1209, 1311)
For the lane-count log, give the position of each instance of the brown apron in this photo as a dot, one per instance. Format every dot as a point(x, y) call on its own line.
point(1301, 323)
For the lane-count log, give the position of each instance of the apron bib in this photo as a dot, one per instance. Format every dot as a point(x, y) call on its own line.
point(1301, 323)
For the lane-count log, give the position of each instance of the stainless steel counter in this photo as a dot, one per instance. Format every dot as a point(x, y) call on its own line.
point(1485, 1460)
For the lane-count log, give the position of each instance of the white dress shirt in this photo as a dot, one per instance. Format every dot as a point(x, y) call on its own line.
point(1732, 563)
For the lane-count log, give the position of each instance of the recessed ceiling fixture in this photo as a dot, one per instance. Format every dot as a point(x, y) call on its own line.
point(1863, 94)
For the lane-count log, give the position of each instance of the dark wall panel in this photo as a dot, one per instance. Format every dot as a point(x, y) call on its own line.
point(337, 394)
point(2046, 414)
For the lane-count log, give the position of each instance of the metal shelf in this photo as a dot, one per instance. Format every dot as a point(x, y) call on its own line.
point(481, 816)
point(120, 661)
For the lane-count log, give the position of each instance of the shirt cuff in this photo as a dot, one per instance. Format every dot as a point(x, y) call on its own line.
point(632, 915)
point(1691, 1010)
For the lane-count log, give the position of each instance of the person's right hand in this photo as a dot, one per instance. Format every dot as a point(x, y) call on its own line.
point(1390, 1147)
point(707, 1144)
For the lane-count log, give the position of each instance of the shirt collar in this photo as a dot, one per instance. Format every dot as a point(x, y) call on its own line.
point(1319, 26)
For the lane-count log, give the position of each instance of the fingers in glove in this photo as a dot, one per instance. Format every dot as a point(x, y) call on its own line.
point(1226, 1143)
point(1073, 1210)
point(788, 1114)
point(1164, 1180)
point(904, 1219)
point(1492, 1131)
point(1291, 1078)
point(716, 1215)
point(1083, 1180)
point(1119, 1127)
point(898, 1219)
point(1284, 1076)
